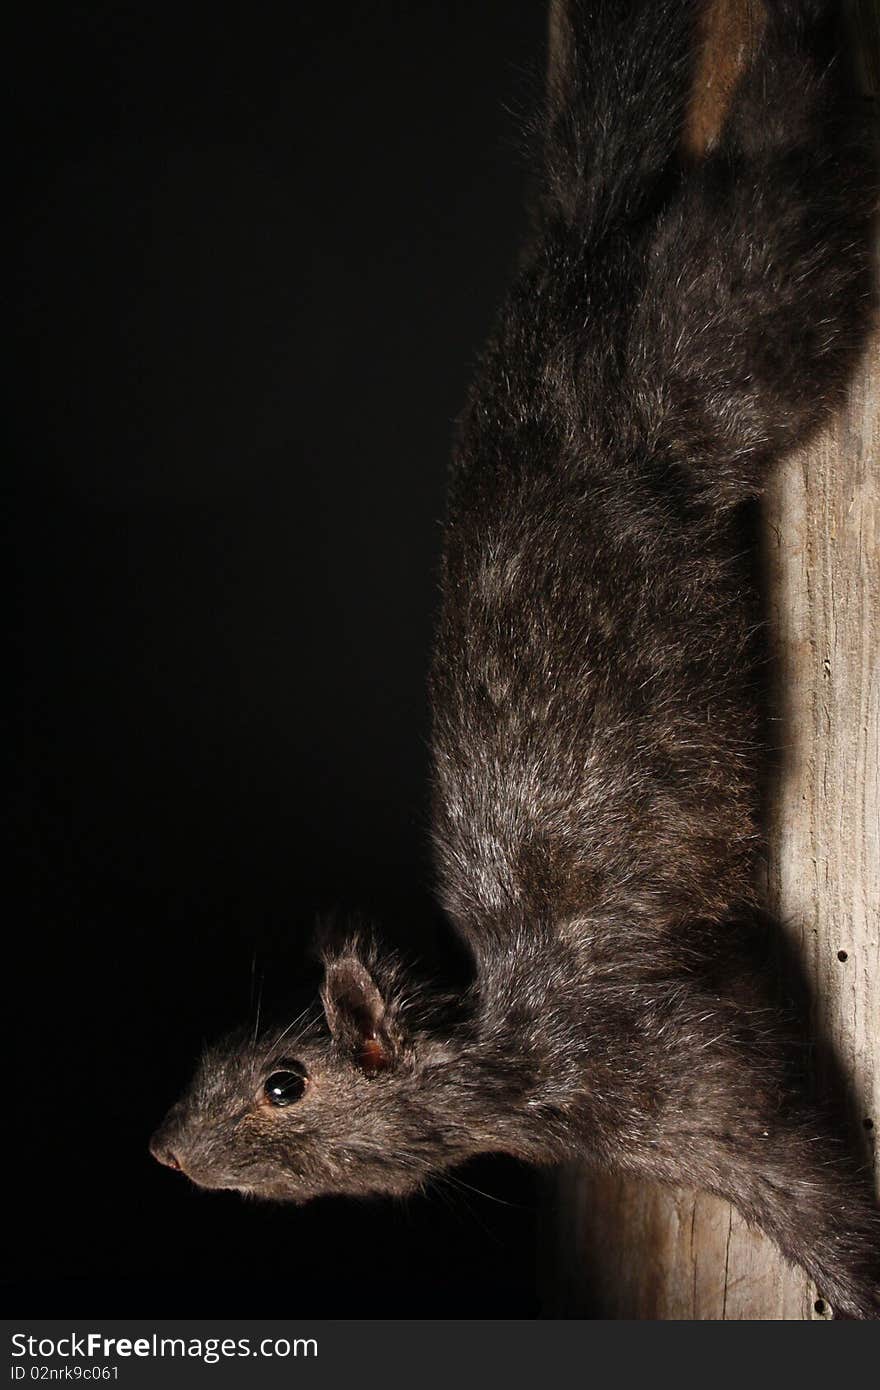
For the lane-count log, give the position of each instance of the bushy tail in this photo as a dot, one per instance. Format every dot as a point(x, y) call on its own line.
point(617, 90)
point(722, 146)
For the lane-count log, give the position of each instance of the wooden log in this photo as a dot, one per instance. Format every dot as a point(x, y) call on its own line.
point(624, 1249)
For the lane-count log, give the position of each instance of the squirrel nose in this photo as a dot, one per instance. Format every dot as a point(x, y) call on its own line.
point(163, 1154)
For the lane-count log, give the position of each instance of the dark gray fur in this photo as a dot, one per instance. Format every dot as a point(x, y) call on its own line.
point(675, 325)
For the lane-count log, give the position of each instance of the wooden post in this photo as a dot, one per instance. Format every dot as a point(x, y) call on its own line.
point(629, 1250)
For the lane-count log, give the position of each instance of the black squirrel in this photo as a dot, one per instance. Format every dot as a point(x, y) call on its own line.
point(696, 287)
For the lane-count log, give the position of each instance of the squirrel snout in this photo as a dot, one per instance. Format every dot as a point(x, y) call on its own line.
point(163, 1153)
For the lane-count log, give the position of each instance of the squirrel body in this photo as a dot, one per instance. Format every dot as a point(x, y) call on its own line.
point(688, 307)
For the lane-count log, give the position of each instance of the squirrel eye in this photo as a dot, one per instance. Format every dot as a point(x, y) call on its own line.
point(284, 1087)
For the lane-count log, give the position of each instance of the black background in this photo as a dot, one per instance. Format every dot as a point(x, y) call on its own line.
point(259, 250)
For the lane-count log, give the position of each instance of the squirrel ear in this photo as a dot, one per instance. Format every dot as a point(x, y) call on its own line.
point(357, 1014)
